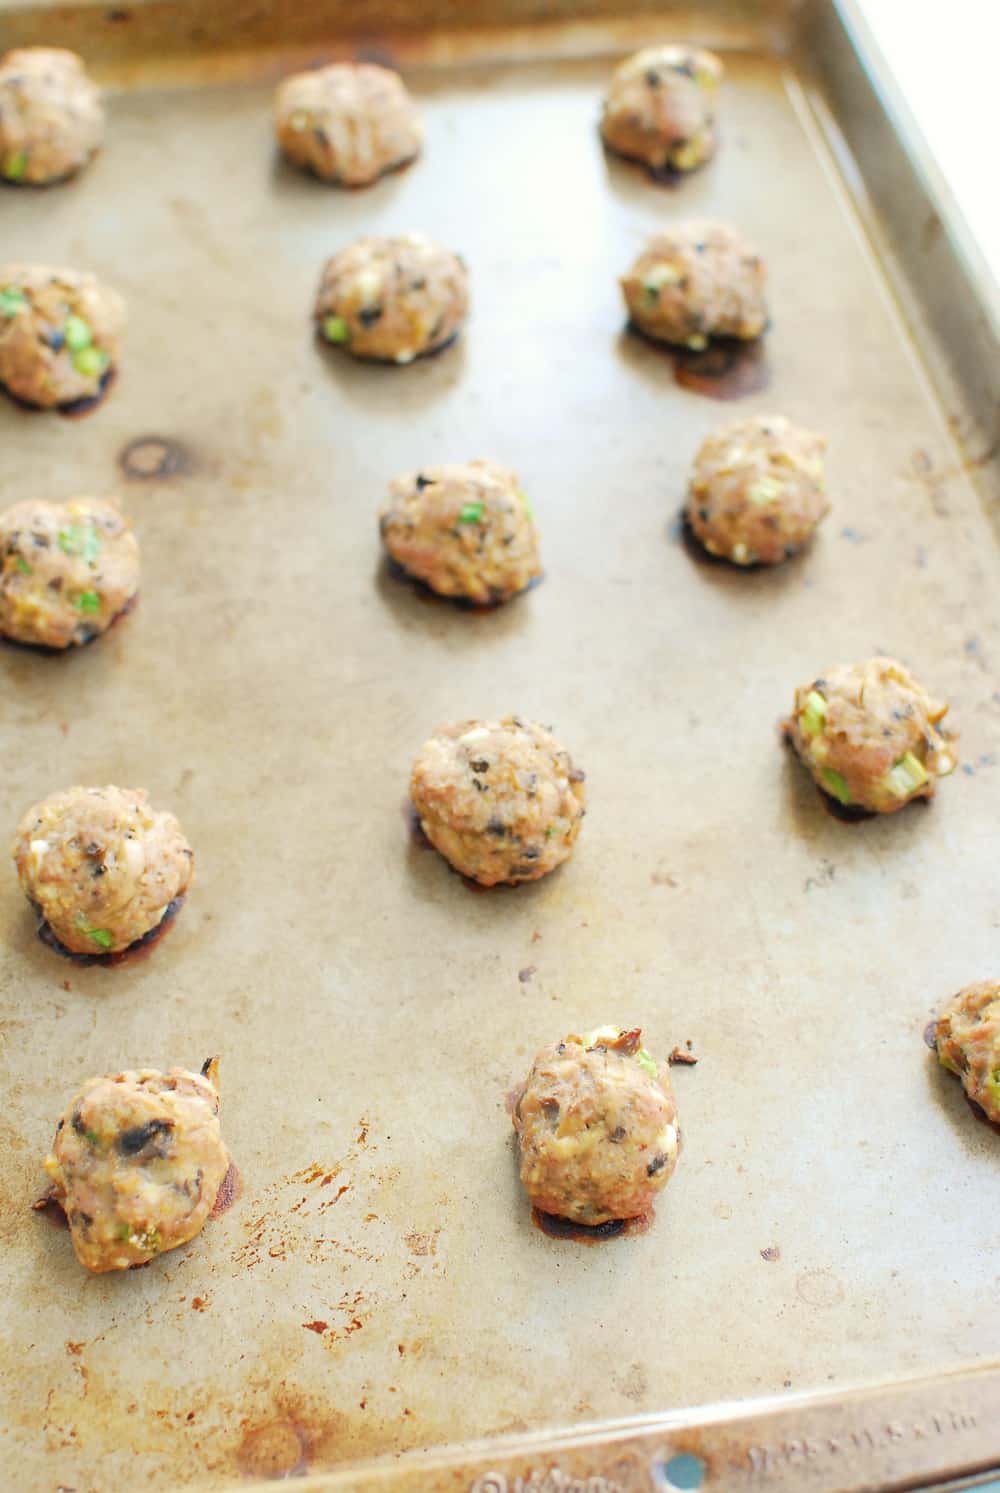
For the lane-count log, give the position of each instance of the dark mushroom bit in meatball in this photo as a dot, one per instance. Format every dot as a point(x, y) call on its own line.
point(101, 866)
point(501, 800)
point(59, 334)
point(660, 107)
point(597, 1126)
point(871, 735)
point(392, 299)
point(465, 529)
point(967, 1040)
point(67, 570)
point(757, 490)
point(137, 1163)
point(51, 116)
point(349, 122)
point(694, 281)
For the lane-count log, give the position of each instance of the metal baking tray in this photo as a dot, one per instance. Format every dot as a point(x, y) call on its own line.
point(379, 1287)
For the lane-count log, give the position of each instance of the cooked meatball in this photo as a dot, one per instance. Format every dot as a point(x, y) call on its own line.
point(137, 1164)
point(660, 107)
point(968, 1043)
point(871, 735)
point(392, 299)
point(59, 334)
point(694, 281)
point(350, 122)
point(101, 866)
point(67, 570)
point(464, 529)
point(597, 1126)
point(501, 800)
point(757, 490)
point(51, 116)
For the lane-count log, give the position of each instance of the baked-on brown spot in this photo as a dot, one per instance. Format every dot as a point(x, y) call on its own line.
point(772, 1252)
point(230, 1189)
point(728, 368)
point(582, 1233)
point(150, 457)
point(686, 1059)
point(139, 949)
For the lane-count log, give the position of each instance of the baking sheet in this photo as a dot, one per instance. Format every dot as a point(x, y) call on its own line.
point(379, 1285)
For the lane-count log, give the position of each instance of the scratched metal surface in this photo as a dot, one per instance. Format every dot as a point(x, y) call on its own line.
point(379, 1285)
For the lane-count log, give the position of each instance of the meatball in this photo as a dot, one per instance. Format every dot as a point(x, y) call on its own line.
point(660, 107)
point(137, 1164)
point(694, 281)
point(101, 866)
point(392, 299)
point(59, 334)
point(67, 570)
point(51, 116)
point(968, 1043)
point(757, 490)
point(597, 1127)
point(464, 529)
point(350, 122)
point(501, 800)
point(871, 735)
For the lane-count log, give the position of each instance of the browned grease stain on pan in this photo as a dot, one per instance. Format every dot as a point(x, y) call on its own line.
point(151, 458)
point(230, 1189)
point(727, 369)
point(581, 1233)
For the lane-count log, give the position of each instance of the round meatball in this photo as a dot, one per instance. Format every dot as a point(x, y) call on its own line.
point(464, 529)
point(137, 1164)
point(59, 334)
point(660, 107)
point(392, 299)
point(67, 570)
point(101, 866)
point(968, 1043)
point(501, 800)
point(757, 490)
point(51, 116)
point(350, 122)
point(871, 735)
point(597, 1126)
point(694, 281)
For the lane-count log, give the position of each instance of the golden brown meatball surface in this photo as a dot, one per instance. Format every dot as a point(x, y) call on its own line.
point(465, 529)
point(101, 866)
point(67, 570)
point(349, 122)
point(51, 116)
point(660, 107)
point(697, 280)
point(137, 1163)
point(392, 299)
point(871, 736)
point(967, 1040)
point(59, 334)
point(758, 490)
point(501, 800)
point(597, 1126)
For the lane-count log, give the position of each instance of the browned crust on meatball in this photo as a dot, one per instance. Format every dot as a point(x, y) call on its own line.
point(465, 529)
point(967, 1039)
point(348, 123)
point(660, 108)
point(393, 300)
point(871, 735)
point(501, 800)
point(40, 307)
point(694, 281)
point(67, 570)
point(101, 866)
point(597, 1129)
point(757, 490)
